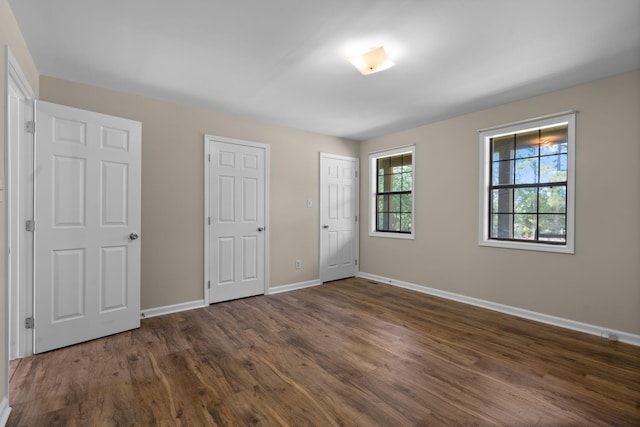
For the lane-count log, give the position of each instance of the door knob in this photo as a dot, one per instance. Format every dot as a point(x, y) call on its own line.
point(325, 226)
point(261, 229)
point(133, 236)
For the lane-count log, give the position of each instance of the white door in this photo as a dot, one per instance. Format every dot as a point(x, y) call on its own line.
point(87, 220)
point(338, 217)
point(236, 218)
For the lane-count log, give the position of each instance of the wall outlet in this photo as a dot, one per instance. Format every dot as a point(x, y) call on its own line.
point(298, 264)
point(309, 203)
point(611, 336)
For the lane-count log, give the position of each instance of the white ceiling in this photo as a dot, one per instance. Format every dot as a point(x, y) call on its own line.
point(284, 61)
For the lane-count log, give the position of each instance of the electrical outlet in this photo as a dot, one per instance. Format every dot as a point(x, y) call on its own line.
point(298, 264)
point(611, 336)
point(309, 203)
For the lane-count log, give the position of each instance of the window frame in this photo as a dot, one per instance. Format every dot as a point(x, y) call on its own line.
point(485, 136)
point(373, 174)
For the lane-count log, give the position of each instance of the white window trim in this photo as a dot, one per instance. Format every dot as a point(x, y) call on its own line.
point(485, 136)
point(373, 156)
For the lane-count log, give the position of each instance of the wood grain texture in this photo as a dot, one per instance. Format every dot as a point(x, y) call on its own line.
point(347, 353)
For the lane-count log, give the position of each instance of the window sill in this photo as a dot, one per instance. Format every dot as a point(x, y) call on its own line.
point(540, 247)
point(392, 235)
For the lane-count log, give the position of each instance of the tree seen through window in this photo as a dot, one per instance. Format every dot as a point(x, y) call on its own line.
point(528, 190)
point(394, 197)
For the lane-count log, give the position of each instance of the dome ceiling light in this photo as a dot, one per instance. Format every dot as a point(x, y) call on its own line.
point(372, 61)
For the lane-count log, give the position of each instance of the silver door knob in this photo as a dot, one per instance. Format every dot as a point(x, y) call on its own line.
point(133, 236)
point(261, 229)
point(325, 226)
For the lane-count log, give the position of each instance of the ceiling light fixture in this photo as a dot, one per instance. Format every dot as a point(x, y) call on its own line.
point(371, 62)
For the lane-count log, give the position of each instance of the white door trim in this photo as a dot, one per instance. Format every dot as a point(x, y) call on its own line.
point(18, 199)
point(323, 156)
point(207, 213)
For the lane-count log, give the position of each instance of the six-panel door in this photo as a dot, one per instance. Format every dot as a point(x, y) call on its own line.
point(338, 213)
point(237, 229)
point(87, 205)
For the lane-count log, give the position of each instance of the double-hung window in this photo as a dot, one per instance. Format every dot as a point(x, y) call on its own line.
point(392, 193)
point(527, 184)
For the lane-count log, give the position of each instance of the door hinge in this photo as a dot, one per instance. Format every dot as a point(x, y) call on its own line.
point(30, 225)
point(356, 262)
point(209, 220)
point(29, 323)
point(209, 158)
point(356, 174)
point(356, 218)
point(30, 126)
point(209, 284)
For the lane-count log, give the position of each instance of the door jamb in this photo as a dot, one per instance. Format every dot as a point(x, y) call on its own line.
point(18, 197)
point(208, 139)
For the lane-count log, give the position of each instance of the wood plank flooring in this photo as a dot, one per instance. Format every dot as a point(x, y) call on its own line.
point(347, 353)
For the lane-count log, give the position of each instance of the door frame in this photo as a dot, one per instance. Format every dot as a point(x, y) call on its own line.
point(356, 211)
point(18, 198)
point(208, 140)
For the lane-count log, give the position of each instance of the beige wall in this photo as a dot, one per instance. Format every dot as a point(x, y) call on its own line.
point(9, 36)
point(173, 185)
point(599, 285)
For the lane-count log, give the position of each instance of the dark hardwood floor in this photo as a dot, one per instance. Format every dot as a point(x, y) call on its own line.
point(351, 353)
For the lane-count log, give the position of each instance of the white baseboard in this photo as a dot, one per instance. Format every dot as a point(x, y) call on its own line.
point(294, 286)
point(5, 410)
point(515, 311)
point(175, 308)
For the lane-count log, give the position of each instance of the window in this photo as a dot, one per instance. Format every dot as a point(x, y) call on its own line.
point(527, 184)
point(392, 193)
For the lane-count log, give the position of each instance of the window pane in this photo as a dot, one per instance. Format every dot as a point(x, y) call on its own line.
point(527, 144)
point(553, 199)
point(502, 148)
point(383, 166)
point(501, 200)
point(524, 226)
point(383, 221)
point(396, 162)
point(395, 221)
point(553, 168)
point(407, 162)
point(383, 183)
point(502, 173)
point(405, 200)
point(525, 200)
point(552, 228)
point(527, 171)
point(383, 201)
point(501, 226)
point(396, 182)
point(394, 205)
point(553, 140)
point(405, 224)
point(407, 183)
